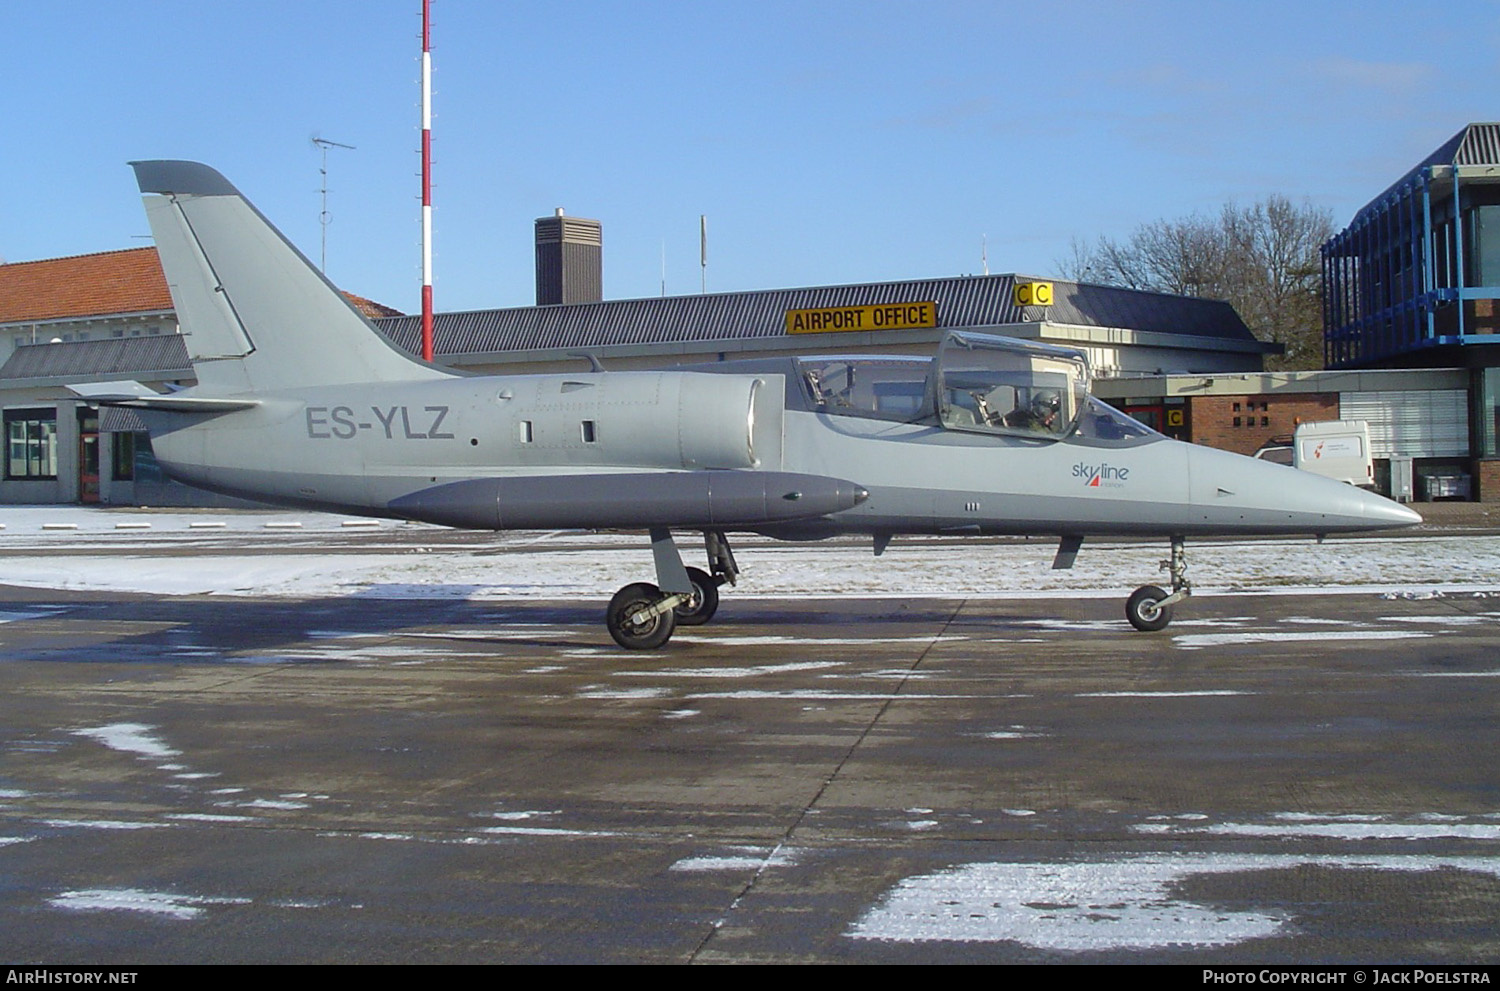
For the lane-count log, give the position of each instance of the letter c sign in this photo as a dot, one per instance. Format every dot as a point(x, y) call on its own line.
point(1033, 294)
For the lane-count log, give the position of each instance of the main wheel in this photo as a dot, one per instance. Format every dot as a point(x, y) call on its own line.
point(1144, 613)
point(647, 635)
point(705, 601)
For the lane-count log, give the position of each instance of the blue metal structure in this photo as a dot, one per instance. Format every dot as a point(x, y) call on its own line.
point(1419, 267)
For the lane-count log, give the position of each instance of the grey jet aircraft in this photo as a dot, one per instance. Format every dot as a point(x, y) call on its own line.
point(300, 401)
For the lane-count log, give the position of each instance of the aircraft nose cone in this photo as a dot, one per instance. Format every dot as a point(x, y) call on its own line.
point(1361, 509)
point(1388, 513)
point(1268, 498)
point(1332, 506)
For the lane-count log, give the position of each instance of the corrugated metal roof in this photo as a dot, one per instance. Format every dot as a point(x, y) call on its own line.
point(969, 301)
point(974, 301)
point(80, 360)
point(1480, 145)
point(1476, 144)
point(115, 420)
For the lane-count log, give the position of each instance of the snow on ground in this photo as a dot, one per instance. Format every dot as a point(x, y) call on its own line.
point(1126, 903)
point(168, 904)
point(311, 554)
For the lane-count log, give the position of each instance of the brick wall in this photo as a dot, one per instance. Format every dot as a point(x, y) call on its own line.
point(1243, 423)
point(1486, 472)
point(1482, 317)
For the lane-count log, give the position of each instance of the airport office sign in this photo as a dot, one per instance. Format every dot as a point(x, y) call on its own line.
point(852, 319)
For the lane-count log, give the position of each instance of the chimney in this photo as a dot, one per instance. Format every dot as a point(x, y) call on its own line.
point(569, 260)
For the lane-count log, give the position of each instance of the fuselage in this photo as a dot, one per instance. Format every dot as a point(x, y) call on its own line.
point(300, 401)
point(361, 448)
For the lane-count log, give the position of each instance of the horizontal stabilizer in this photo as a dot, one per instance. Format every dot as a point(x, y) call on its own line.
point(685, 499)
point(134, 395)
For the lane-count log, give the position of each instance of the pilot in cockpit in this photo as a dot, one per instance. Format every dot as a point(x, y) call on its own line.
point(1039, 415)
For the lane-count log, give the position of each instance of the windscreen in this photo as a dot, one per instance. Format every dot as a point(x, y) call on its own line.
point(1102, 422)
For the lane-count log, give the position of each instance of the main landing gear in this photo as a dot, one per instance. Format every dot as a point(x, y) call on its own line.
point(642, 616)
point(1149, 607)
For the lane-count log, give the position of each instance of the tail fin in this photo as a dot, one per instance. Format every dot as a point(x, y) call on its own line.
point(255, 314)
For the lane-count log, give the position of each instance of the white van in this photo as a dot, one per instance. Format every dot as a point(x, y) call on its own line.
point(1338, 449)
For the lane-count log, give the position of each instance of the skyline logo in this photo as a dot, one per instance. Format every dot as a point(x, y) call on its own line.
point(1105, 476)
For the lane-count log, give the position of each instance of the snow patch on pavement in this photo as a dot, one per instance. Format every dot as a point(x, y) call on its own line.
point(159, 903)
point(1131, 903)
point(131, 738)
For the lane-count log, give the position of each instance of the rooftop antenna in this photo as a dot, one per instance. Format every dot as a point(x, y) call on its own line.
point(323, 145)
point(703, 252)
point(426, 180)
point(984, 252)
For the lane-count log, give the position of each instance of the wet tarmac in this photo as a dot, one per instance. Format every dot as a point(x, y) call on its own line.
point(1274, 778)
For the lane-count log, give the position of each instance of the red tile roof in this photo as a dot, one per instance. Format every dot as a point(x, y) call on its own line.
point(371, 309)
point(105, 284)
point(83, 286)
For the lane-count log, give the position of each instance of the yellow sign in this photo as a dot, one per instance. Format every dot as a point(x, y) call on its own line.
point(1174, 417)
point(852, 319)
point(1033, 294)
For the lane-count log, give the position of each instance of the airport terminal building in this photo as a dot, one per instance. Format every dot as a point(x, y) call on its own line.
point(62, 449)
point(1414, 281)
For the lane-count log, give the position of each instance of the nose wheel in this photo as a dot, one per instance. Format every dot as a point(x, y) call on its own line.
point(1149, 607)
point(1145, 611)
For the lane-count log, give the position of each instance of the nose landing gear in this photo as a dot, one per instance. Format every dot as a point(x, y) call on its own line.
point(1149, 607)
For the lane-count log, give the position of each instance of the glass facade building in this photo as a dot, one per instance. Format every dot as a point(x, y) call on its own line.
point(1414, 280)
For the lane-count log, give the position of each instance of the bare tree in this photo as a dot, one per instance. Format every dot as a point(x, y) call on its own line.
point(1262, 259)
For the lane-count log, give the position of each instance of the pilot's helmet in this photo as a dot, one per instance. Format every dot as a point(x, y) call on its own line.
point(1045, 401)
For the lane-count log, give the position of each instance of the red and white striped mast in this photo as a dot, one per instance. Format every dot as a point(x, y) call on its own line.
point(426, 180)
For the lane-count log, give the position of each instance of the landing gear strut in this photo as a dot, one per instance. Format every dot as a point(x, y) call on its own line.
point(642, 616)
point(1149, 607)
point(705, 601)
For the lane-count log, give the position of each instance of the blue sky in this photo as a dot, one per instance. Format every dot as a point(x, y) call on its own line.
point(826, 141)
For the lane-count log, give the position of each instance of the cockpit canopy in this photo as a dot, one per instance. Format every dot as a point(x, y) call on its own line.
point(1000, 385)
point(874, 387)
point(978, 383)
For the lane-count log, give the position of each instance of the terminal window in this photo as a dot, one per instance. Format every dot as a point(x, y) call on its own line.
point(31, 444)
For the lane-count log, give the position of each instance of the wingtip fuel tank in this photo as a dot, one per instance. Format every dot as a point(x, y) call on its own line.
point(685, 499)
